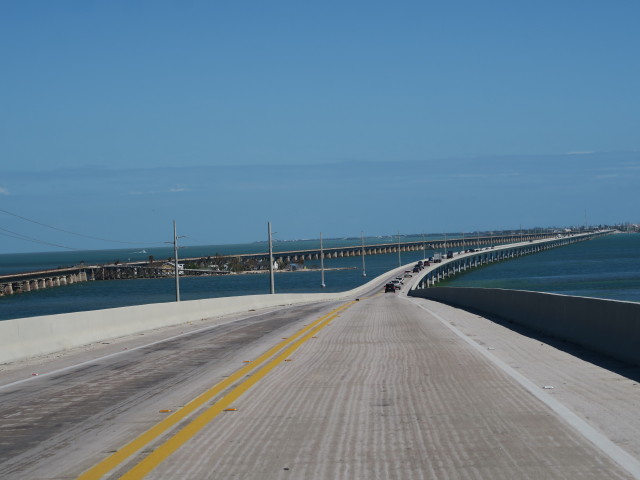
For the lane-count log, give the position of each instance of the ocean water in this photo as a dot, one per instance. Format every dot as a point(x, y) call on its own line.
point(605, 267)
point(117, 293)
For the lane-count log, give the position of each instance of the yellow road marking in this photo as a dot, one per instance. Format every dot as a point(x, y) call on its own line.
point(163, 451)
point(112, 461)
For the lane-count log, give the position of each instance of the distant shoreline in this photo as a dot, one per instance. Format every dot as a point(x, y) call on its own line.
point(259, 272)
point(299, 270)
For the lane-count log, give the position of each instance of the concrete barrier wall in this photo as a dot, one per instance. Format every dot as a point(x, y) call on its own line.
point(607, 326)
point(26, 337)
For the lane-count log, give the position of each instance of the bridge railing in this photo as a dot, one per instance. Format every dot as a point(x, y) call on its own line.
point(610, 327)
point(463, 261)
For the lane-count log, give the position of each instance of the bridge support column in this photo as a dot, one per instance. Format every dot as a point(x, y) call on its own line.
point(7, 289)
point(42, 283)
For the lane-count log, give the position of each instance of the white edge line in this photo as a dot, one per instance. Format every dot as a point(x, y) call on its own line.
point(613, 451)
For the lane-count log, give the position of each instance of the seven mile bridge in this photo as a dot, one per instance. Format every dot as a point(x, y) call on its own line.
point(355, 385)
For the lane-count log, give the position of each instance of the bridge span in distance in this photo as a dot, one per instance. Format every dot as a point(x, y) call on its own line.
point(24, 282)
point(374, 386)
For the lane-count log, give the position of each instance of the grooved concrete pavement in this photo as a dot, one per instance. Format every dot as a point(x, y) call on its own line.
point(386, 391)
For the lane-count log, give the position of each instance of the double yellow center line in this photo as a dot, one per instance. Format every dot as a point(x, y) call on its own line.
point(266, 362)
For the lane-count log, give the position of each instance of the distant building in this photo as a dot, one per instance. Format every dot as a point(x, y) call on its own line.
point(169, 269)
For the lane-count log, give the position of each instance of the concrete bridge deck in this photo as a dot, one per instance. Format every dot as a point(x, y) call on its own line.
point(386, 387)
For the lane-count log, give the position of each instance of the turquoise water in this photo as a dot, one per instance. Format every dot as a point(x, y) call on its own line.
point(605, 267)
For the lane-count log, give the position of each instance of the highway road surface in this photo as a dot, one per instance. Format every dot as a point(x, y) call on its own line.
point(385, 387)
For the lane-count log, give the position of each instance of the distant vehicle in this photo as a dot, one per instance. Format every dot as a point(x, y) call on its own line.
point(437, 257)
point(449, 254)
point(416, 270)
point(390, 287)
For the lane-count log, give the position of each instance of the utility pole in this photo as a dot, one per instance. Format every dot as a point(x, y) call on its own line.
point(399, 258)
point(424, 248)
point(364, 271)
point(585, 220)
point(175, 256)
point(273, 288)
point(321, 263)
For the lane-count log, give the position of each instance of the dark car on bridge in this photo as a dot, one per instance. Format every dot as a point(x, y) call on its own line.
point(390, 287)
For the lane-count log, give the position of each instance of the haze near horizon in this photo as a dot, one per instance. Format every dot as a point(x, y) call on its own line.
point(418, 116)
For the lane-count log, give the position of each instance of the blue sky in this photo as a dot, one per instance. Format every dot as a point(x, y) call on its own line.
point(118, 117)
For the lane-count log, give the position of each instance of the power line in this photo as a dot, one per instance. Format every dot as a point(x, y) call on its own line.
point(74, 233)
point(19, 236)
